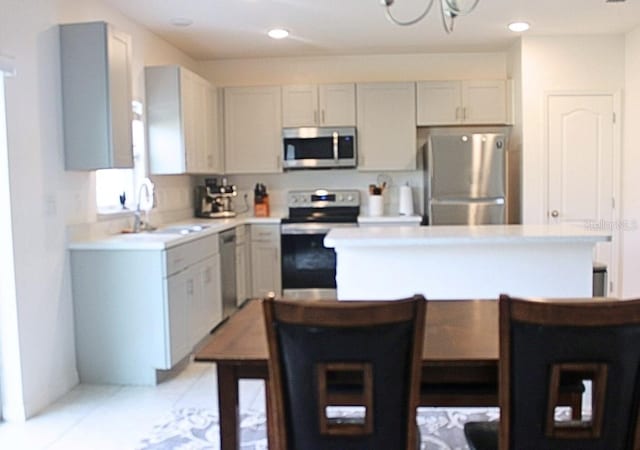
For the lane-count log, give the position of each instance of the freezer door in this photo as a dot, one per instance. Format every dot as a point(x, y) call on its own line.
point(482, 212)
point(466, 166)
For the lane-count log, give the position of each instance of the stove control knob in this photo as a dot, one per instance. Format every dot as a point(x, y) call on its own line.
point(350, 198)
point(294, 199)
point(339, 198)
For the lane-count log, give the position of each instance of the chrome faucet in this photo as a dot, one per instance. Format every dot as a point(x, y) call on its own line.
point(139, 224)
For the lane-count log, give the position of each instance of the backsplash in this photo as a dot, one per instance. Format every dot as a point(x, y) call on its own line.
point(279, 184)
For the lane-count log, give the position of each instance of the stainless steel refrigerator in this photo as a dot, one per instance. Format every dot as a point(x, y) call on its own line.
point(465, 176)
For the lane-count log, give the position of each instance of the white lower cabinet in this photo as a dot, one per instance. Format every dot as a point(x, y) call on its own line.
point(266, 273)
point(138, 312)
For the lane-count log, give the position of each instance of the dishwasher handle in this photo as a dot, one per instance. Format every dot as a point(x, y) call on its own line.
point(227, 238)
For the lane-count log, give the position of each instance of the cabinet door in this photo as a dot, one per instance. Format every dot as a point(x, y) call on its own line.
point(337, 103)
point(95, 59)
point(120, 104)
point(253, 129)
point(485, 102)
point(300, 106)
point(180, 290)
point(438, 103)
point(211, 125)
point(206, 311)
point(386, 126)
point(265, 268)
point(191, 101)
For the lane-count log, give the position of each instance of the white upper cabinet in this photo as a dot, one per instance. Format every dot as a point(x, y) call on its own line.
point(386, 126)
point(182, 122)
point(325, 105)
point(253, 129)
point(95, 63)
point(461, 102)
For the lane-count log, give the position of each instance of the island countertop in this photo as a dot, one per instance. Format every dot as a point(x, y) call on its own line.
point(457, 262)
point(461, 234)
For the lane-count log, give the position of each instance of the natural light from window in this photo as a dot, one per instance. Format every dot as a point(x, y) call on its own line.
point(115, 185)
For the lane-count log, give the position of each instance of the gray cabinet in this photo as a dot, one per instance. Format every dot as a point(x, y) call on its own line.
point(138, 312)
point(182, 122)
point(96, 96)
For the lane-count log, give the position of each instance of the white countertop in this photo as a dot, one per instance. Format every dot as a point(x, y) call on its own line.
point(157, 240)
point(460, 234)
point(389, 219)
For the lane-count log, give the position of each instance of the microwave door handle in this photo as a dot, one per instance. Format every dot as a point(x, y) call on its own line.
point(335, 145)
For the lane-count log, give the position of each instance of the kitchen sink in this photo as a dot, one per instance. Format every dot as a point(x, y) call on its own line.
point(184, 229)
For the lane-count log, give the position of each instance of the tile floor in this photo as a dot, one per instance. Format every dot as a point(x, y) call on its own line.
point(100, 417)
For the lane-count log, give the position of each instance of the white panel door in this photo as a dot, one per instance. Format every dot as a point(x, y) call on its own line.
point(581, 171)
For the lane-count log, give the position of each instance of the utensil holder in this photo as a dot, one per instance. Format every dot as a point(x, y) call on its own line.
point(376, 205)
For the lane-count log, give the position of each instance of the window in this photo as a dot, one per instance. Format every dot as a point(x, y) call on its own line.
point(111, 184)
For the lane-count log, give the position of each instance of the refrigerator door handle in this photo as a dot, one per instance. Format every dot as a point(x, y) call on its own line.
point(465, 201)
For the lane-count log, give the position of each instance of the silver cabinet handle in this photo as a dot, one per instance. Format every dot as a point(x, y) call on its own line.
point(555, 213)
point(322, 119)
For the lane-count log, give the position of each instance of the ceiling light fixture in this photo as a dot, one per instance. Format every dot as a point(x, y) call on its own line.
point(181, 21)
point(519, 27)
point(278, 33)
point(449, 10)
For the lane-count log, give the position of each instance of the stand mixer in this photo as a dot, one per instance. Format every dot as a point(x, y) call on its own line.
point(215, 201)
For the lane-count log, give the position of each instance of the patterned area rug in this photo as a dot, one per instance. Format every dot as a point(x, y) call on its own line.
point(198, 429)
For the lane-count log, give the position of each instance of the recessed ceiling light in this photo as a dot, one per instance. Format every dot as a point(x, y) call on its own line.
point(519, 27)
point(278, 33)
point(181, 21)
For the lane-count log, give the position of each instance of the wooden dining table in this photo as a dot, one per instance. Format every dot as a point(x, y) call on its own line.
point(459, 358)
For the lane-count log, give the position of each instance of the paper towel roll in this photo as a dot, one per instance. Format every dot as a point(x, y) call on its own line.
point(405, 204)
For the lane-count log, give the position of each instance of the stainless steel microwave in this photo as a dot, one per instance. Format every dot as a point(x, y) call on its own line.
point(319, 148)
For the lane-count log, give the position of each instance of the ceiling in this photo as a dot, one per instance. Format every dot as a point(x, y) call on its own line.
point(237, 28)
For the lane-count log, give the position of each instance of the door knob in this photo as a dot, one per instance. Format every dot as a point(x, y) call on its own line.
point(555, 213)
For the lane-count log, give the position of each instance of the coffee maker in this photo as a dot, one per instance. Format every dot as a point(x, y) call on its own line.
point(215, 201)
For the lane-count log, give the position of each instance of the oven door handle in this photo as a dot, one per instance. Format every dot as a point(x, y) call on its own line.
point(293, 231)
point(316, 228)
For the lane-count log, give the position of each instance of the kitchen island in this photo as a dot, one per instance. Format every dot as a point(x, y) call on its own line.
point(456, 262)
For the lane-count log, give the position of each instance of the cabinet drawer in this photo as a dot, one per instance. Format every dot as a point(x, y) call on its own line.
point(265, 232)
point(182, 256)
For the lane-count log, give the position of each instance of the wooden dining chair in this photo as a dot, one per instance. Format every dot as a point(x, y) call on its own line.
point(327, 354)
point(542, 341)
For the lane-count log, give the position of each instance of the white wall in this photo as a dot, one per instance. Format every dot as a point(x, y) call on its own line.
point(631, 169)
point(581, 63)
point(337, 69)
point(561, 64)
point(45, 198)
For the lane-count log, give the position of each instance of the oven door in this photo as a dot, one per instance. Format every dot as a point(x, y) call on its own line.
point(308, 267)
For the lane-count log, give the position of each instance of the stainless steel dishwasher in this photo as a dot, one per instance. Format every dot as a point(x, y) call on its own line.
point(227, 241)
